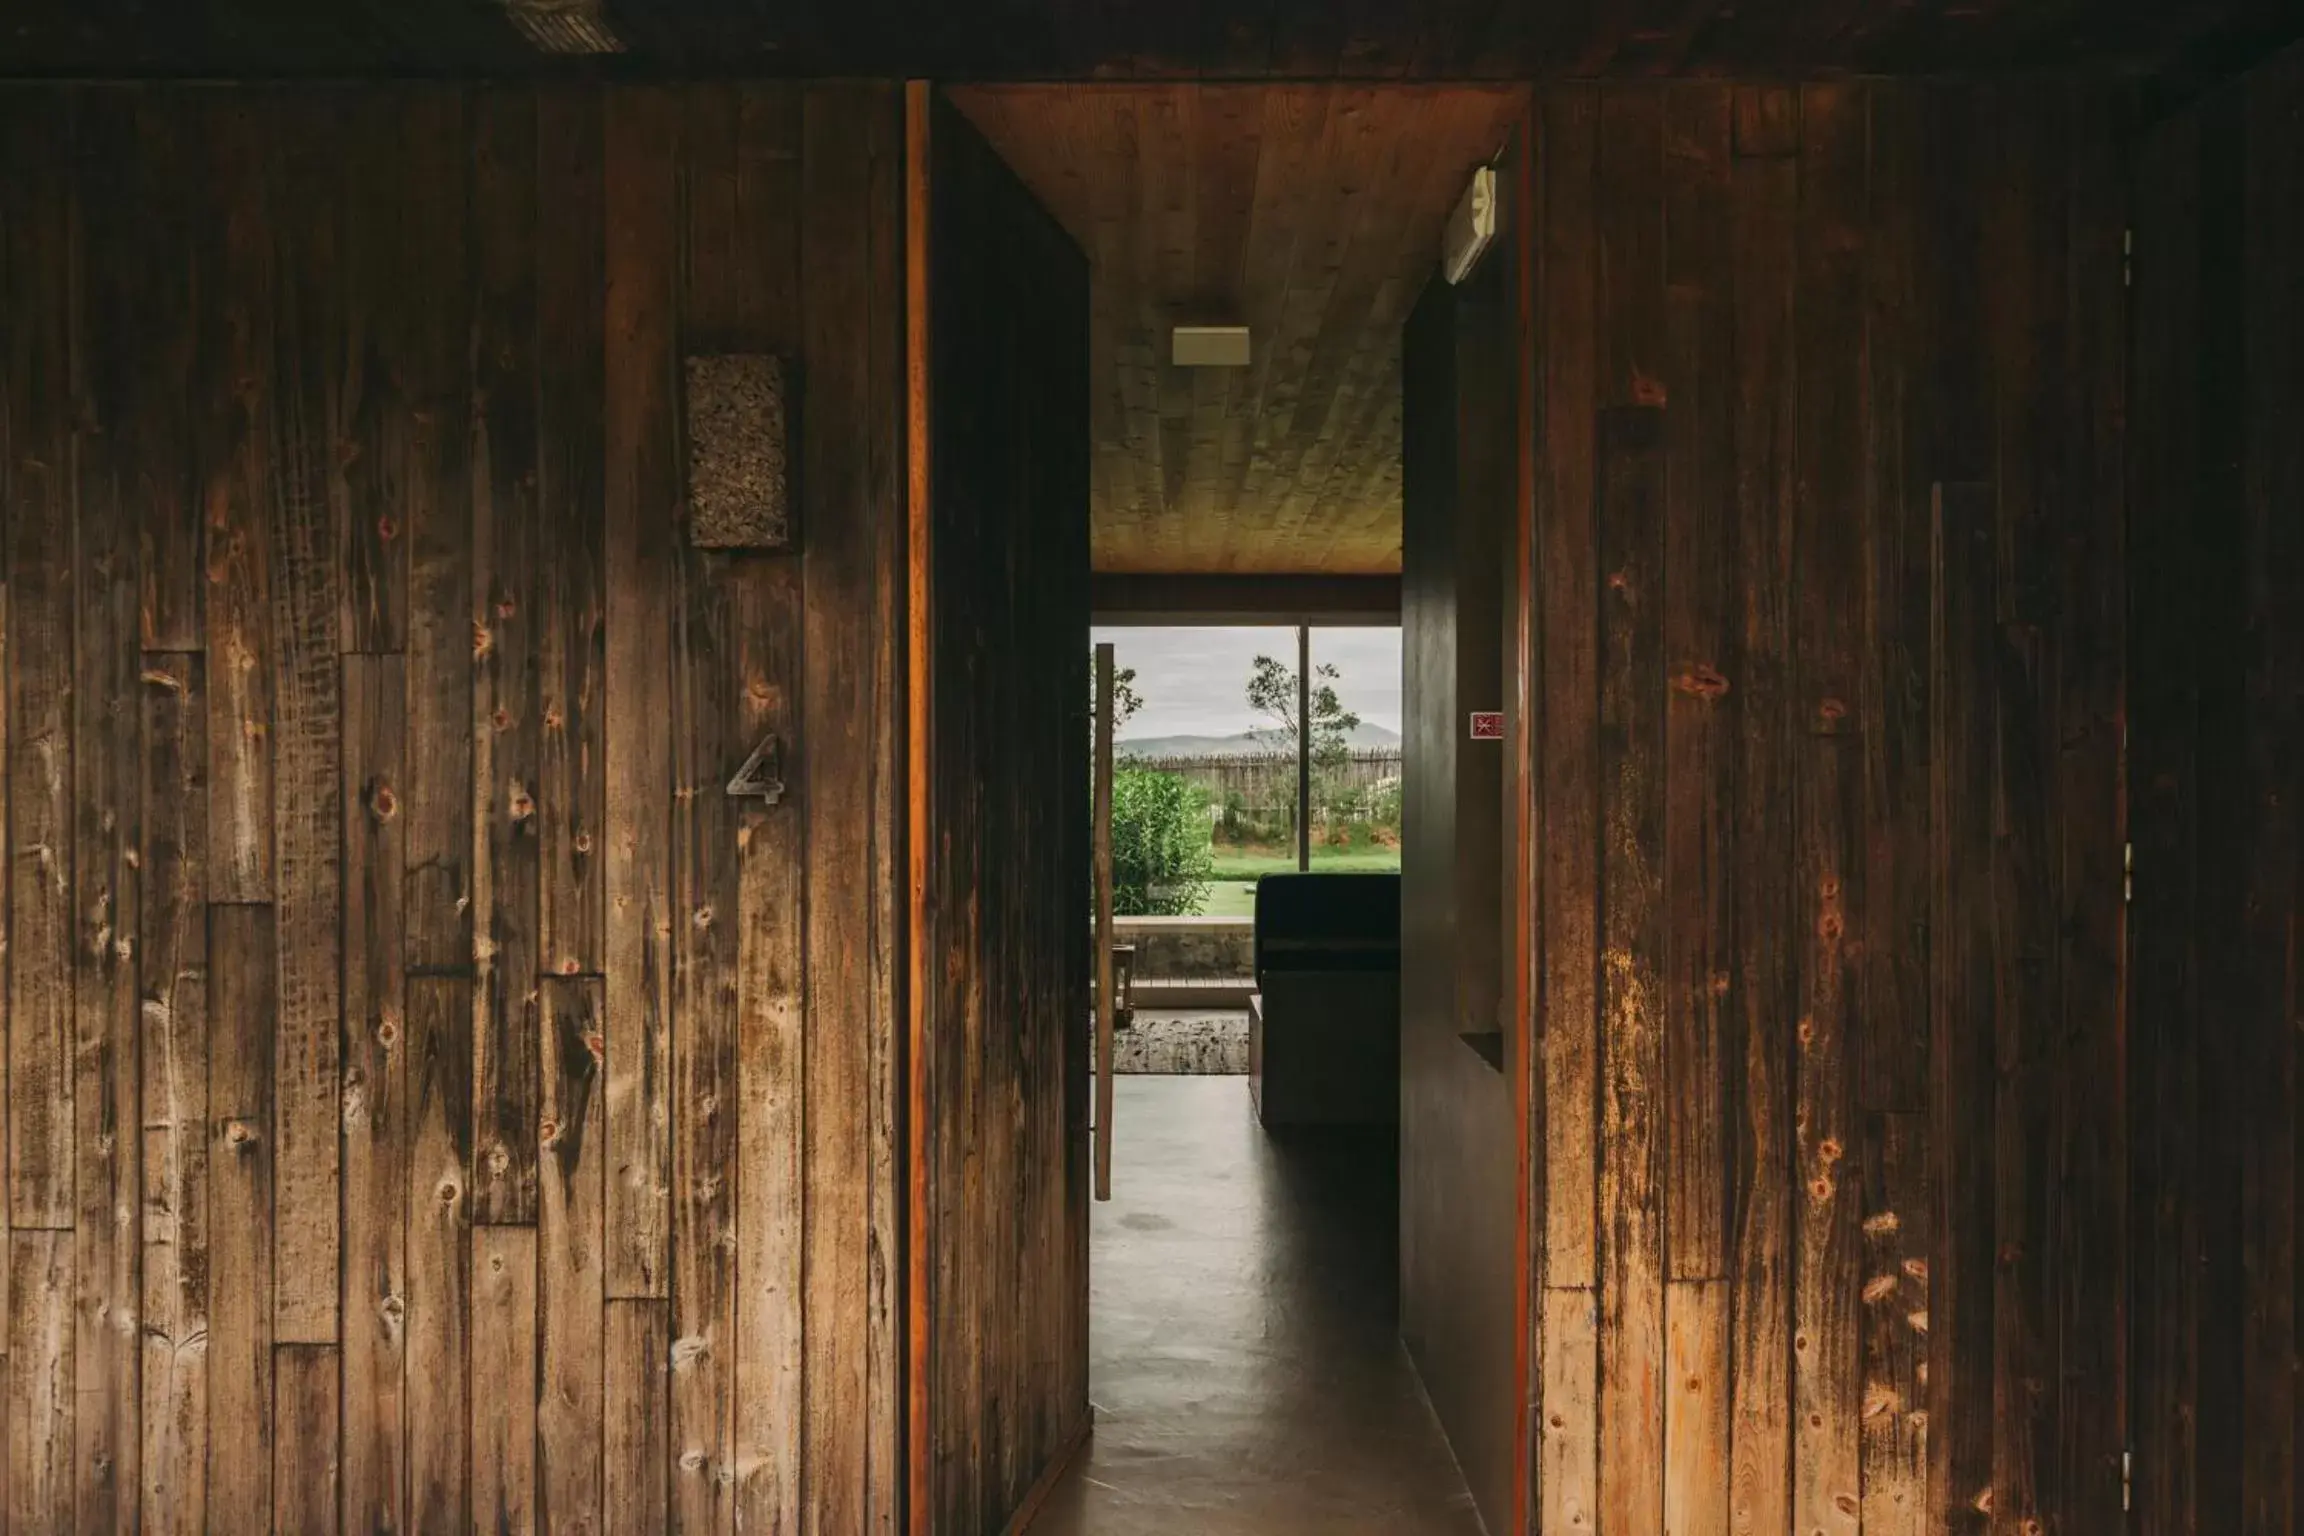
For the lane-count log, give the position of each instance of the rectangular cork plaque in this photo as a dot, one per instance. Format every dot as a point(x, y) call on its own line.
point(739, 479)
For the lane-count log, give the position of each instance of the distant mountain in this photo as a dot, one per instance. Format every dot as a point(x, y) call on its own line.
point(1364, 737)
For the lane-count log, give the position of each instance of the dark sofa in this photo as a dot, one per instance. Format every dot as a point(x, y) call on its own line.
point(1324, 1041)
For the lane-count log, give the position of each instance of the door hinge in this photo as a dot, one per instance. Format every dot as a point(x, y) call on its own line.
point(2128, 873)
point(2128, 258)
point(2127, 1479)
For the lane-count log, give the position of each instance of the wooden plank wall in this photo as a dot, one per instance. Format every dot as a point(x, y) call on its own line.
point(431, 1101)
point(2217, 766)
point(1459, 1191)
point(1828, 662)
point(1003, 1043)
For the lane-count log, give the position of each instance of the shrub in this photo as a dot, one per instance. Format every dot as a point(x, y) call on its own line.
point(1160, 855)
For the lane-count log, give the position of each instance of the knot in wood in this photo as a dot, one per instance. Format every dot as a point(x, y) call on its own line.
point(1701, 682)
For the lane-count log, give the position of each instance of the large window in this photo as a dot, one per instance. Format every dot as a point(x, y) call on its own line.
point(1208, 793)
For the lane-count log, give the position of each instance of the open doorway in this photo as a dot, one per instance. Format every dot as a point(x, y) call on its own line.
point(1278, 1227)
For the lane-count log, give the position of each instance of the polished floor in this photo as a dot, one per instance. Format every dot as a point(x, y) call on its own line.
point(1246, 1370)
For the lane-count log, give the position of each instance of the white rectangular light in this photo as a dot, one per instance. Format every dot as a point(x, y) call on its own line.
point(1211, 346)
point(1471, 226)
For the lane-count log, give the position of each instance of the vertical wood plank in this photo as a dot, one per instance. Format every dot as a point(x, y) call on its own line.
point(40, 1384)
point(1963, 1008)
point(765, 629)
point(307, 809)
point(2162, 660)
point(643, 141)
point(1898, 1224)
point(1764, 212)
point(104, 855)
point(438, 506)
point(702, 717)
point(637, 1453)
point(569, 592)
point(40, 703)
point(569, 1245)
point(504, 1379)
point(885, 1469)
point(506, 853)
point(2272, 490)
point(1568, 695)
point(843, 1147)
point(375, 1097)
point(1632, 1363)
point(1568, 1439)
point(156, 375)
point(391, 289)
point(1894, 967)
point(173, 945)
point(2089, 1232)
point(1702, 662)
point(1695, 1430)
point(236, 378)
point(243, 971)
point(1827, 877)
point(305, 1466)
point(439, 1129)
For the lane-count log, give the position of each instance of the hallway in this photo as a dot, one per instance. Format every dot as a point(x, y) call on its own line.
point(1246, 1374)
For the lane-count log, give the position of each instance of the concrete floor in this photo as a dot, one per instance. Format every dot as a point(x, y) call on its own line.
point(1246, 1369)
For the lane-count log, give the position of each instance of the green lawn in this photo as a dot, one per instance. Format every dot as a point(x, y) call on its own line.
point(1233, 891)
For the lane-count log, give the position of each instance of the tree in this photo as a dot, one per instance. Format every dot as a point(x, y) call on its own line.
point(1125, 699)
point(1272, 693)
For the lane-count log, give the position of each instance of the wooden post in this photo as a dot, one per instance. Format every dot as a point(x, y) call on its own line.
point(1103, 817)
point(1303, 747)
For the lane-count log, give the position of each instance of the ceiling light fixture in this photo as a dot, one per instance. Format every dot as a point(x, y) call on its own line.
point(1210, 346)
point(564, 26)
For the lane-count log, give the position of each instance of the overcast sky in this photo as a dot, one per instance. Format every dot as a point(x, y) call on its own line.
point(1194, 682)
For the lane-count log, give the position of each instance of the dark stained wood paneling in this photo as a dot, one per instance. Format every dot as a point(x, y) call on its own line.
point(1308, 213)
point(1903, 860)
point(1123, 39)
point(2215, 663)
point(1000, 1035)
point(313, 1007)
point(173, 943)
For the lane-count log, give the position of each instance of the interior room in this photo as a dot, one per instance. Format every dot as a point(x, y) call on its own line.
point(554, 971)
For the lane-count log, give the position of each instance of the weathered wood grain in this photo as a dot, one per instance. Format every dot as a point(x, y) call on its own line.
point(307, 808)
point(438, 1347)
point(40, 1407)
point(1703, 663)
point(173, 949)
point(105, 861)
point(836, 756)
point(1568, 556)
point(706, 751)
point(437, 510)
point(506, 535)
point(375, 1114)
point(568, 593)
point(643, 137)
point(1960, 1313)
point(1827, 885)
point(1568, 1436)
point(308, 1431)
point(1695, 1392)
point(1761, 269)
point(1631, 1404)
point(243, 975)
point(570, 1248)
point(504, 1380)
point(765, 619)
point(637, 1451)
point(40, 701)
point(235, 378)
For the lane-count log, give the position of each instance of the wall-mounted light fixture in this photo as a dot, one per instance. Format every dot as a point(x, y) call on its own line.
point(1210, 346)
point(1471, 227)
